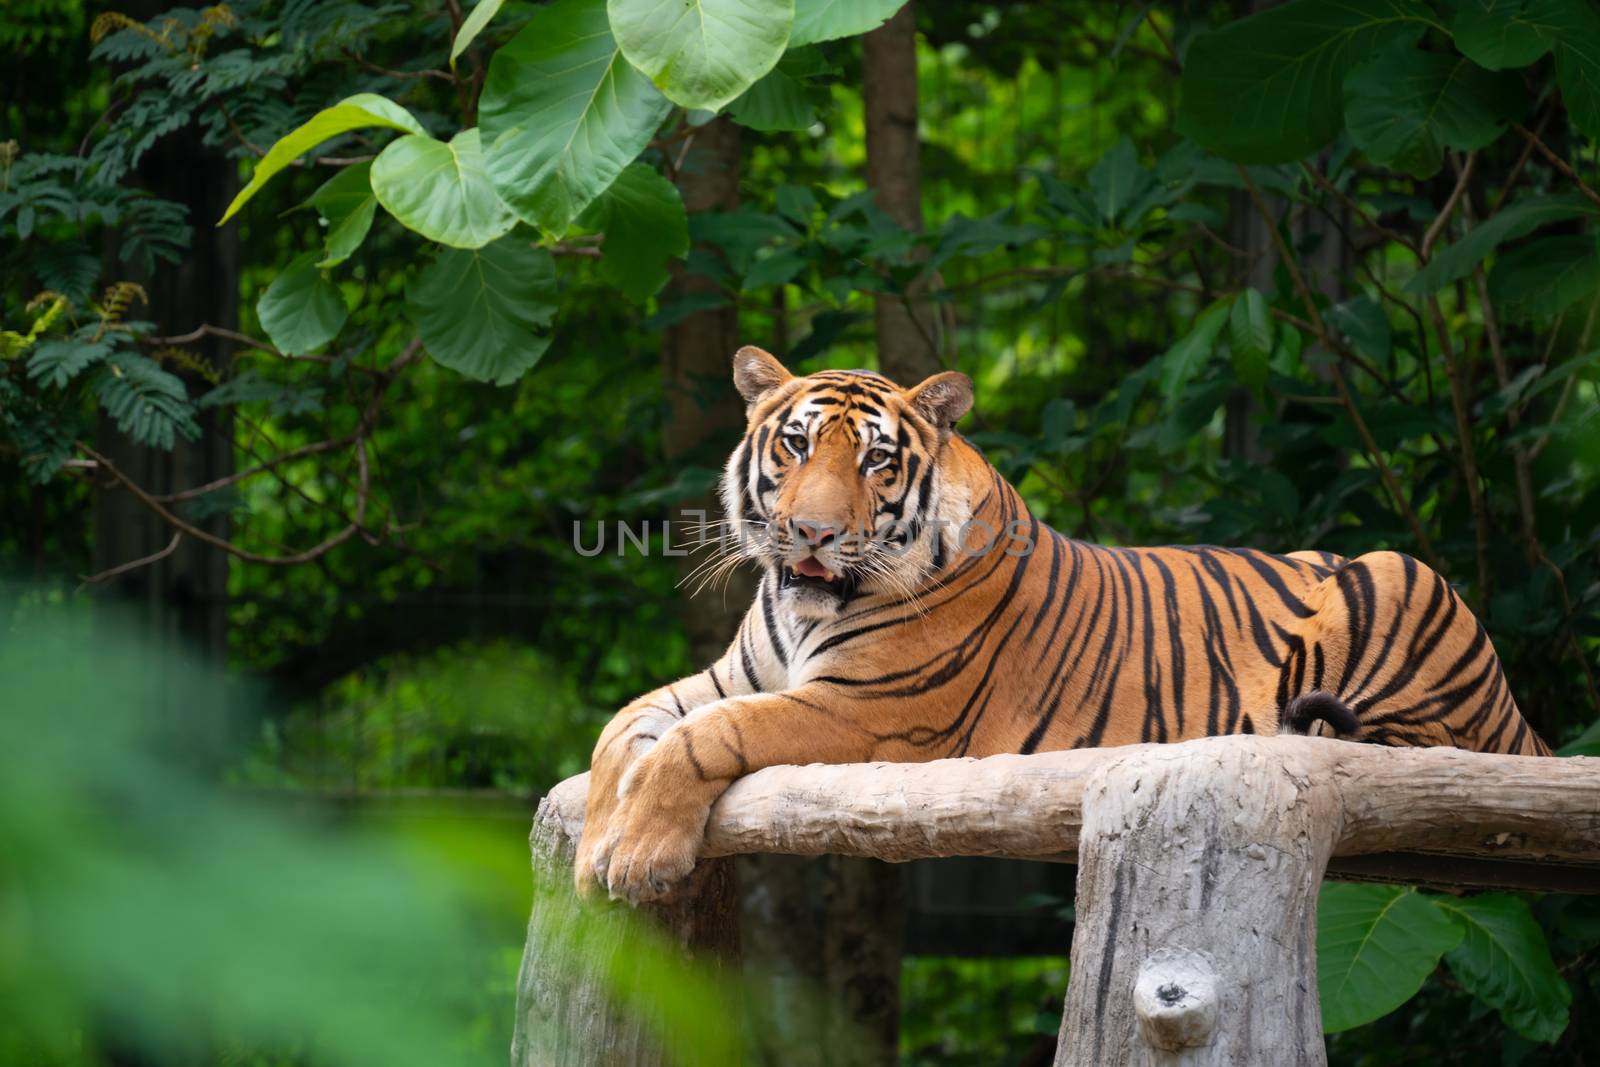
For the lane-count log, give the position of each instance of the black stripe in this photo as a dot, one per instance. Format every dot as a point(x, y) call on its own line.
point(772, 624)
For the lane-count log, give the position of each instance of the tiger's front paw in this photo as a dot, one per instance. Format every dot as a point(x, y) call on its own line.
point(655, 834)
point(651, 853)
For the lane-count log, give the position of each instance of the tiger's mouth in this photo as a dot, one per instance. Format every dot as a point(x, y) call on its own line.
point(812, 573)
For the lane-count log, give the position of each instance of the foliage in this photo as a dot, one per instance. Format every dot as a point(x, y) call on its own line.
point(455, 717)
point(150, 915)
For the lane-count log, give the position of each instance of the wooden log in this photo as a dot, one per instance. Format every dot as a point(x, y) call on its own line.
point(1407, 800)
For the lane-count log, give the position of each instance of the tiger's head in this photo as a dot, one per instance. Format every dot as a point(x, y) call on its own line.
point(837, 487)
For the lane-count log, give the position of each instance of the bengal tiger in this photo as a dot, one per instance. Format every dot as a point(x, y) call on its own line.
point(911, 608)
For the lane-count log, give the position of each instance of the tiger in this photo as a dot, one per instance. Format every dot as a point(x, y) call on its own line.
point(910, 607)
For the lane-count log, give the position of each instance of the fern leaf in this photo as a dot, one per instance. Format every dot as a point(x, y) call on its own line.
point(56, 362)
point(148, 404)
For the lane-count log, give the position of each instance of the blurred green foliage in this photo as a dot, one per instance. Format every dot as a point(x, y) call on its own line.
point(148, 912)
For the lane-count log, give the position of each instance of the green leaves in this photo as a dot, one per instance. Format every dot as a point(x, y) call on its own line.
point(827, 20)
point(1250, 335)
point(440, 190)
point(1518, 220)
point(1184, 359)
point(562, 113)
point(57, 361)
point(1497, 33)
point(483, 311)
point(352, 113)
point(1503, 960)
point(787, 97)
point(346, 206)
point(1375, 946)
point(1573, 28)
point(148, 404)
point(1266, 89)
point(301, 310)
point(702, 53)
point(1544, 277)
point(1117, 181)
point(1406, 106)
point(645, 225)
point(473, 25)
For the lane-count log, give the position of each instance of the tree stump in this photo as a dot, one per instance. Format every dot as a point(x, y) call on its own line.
point(1198, 873)
point(574, 960)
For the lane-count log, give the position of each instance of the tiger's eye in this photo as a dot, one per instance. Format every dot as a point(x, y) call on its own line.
point(796, 441)
point(877, 457)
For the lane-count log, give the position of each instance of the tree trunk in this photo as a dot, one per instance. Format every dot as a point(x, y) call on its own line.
point(1196, 913)
point(182, 598)
point(905, 326)
point(705, 415)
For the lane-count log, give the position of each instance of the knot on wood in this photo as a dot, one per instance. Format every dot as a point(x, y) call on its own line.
point(1175, 999)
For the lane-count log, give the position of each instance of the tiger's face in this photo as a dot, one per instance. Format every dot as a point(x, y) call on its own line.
point(836, 487)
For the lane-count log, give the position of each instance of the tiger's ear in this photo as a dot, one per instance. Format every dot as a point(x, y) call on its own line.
point(756, 373)
point(942, 399)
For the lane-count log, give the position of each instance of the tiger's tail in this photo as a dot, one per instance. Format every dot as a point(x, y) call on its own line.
point(1389, 653)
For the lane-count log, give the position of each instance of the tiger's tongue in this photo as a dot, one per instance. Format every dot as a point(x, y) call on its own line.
point(812, 567)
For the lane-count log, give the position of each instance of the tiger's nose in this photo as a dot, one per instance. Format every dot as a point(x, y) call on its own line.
point(814, 533)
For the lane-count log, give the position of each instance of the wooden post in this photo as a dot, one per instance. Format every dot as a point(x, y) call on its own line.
point(1198, 872)
point(1199, 866)
point(565, 1015)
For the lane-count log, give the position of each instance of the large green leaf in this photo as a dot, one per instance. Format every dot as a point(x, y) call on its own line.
point(440, 191)
point(1184, 359)
point(827, 20)
point(786, 97)
point(702, 53)
point(1503, 961)
point(483, 311)
point(1546, 276)
point(1406, 106)
point(1375, 946)
point(346, 205)
point(1573, 28)
point(473, 25)
point(562, 113)
point(352, 113)
point(1497, 33)
point(1518, 220)
point(1266, 89)
point(645, 225)
point(301, 310)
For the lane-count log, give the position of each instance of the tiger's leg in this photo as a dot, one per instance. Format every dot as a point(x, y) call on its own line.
point(654, 837)
point(1390, 654)
point(632, 732)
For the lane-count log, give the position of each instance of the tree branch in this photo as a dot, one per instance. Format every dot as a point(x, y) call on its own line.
point(1557, 162)
point(133, 564)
